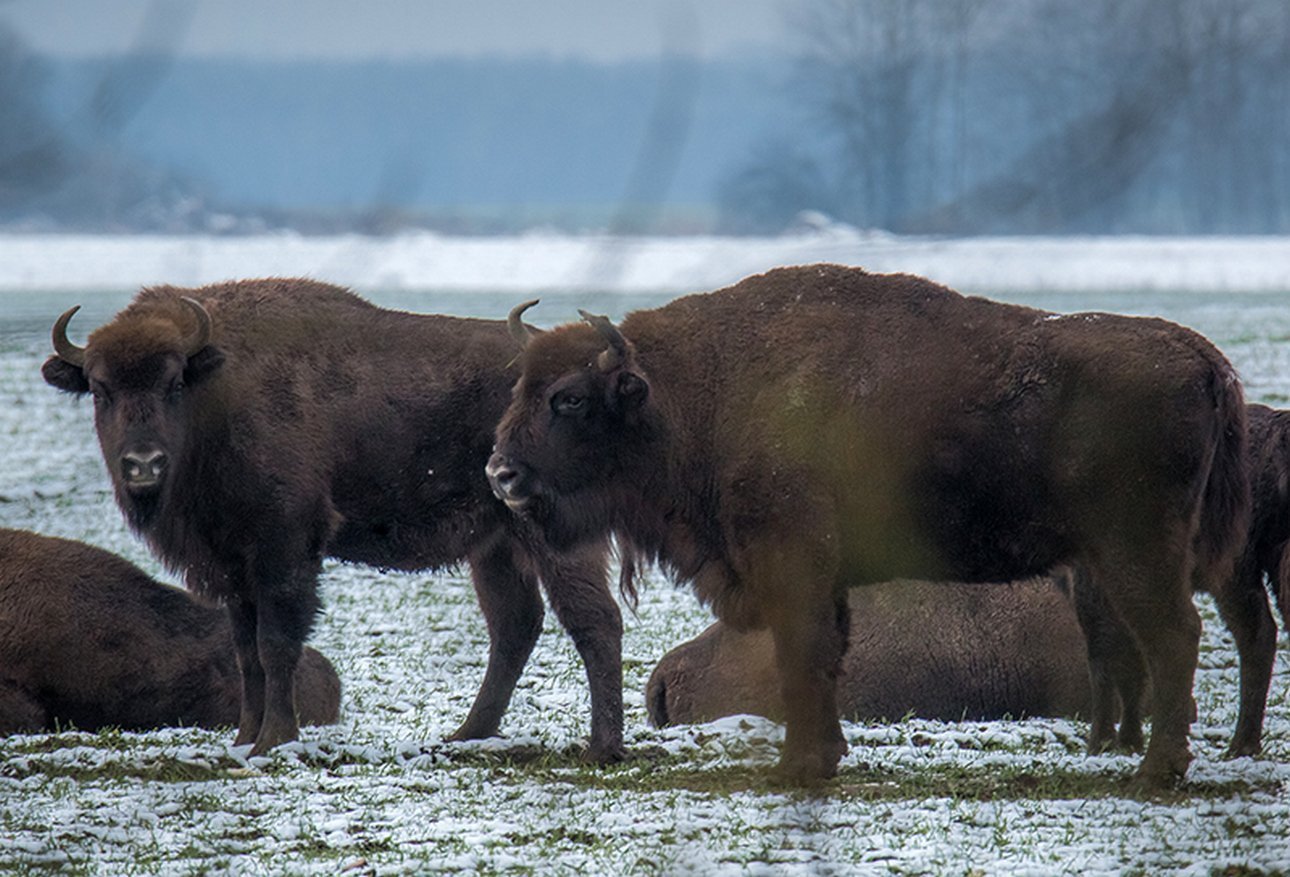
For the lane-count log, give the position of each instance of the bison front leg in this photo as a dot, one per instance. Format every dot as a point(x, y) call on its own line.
point(282, 628)
point(579, 593)
point(512, 608)
point(810, 637)
point(242, 616)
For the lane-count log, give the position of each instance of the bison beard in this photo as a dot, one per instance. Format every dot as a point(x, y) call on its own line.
point(818, 427)
point(253, 428)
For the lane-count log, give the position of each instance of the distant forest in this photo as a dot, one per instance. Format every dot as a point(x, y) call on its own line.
point(915, 116)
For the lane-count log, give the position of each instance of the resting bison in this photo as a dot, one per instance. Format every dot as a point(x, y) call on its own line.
point(88, 639)
point(819, 426)
point(937, 650)
point(253, 428)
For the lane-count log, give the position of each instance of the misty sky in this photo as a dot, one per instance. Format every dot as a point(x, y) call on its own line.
point(592, 29)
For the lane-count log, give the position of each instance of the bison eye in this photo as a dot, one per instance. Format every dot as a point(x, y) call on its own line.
point(176, 390)
point(568, 403)
point(102, 398)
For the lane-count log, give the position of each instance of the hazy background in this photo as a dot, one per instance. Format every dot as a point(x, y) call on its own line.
point(658, 116)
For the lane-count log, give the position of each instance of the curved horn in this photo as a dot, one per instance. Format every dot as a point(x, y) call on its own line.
point(202, 335)
point(617, 343)
point(66, 350)
point(520, 332)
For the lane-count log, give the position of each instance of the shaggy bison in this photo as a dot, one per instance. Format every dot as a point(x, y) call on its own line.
point(1267, 552)
point(820, 426)
point(88, 639)
point(937, 650)
point(253, 428)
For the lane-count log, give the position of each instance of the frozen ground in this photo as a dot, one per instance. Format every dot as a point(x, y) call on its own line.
point(381, 792)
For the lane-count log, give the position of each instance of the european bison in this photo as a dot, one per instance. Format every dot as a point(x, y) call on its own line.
point(253, 428)
point(819, 426)
point(88, 639)
point(1268, 551)
point(937, 650)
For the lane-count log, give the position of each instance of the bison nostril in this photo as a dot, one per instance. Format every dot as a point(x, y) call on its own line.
point(503, 476)
point(143, 467)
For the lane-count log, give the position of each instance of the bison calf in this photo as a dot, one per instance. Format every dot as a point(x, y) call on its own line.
point(819, 427)
point(88, 639)
point(936, 650)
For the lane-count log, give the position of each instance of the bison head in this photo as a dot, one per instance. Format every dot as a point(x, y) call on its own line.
point(139, 369)
point(577, 431)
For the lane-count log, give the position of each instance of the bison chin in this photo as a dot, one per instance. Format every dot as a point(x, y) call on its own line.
point(140, 506)
point(569, 522)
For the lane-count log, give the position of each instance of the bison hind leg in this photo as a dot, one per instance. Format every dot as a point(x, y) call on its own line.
point(810, 638)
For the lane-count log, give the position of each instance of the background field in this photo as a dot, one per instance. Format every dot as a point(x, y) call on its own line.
point(380, 792)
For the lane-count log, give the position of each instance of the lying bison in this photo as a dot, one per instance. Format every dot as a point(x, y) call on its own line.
point(88, 639)
point(937, 650)
point(820, 426)
point(253, 428)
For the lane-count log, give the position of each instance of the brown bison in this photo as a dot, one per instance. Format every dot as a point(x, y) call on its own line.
point(820, 426)
point(88, 639)
point(1267, 553)
point(937, 650)
point(253, 428)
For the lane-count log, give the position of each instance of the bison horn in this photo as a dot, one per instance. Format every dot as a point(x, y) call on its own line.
point(202, 334)
point(520, 332)
point(617, 351)
point(66, 350)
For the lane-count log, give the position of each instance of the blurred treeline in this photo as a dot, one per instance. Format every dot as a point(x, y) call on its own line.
point(915, 116)
point(1025, 116)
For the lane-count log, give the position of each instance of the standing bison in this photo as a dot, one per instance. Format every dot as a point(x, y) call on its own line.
point(820, 426)
point(88, 639)
point(253, 428)
point(936, 650)
point(1267, 553)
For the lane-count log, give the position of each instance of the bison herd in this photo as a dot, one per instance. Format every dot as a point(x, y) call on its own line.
point(1028, 499)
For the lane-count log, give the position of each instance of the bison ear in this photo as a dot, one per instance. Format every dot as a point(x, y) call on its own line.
point(631, 391)
point(202, 364)
point(60, 373)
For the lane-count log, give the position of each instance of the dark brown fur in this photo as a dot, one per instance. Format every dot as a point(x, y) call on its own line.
point(315, 424)
point(817, 427)
point(88, 640)
point(935, 650)
point(1267, 553)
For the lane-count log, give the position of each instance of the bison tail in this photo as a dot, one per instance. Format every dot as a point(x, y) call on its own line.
point(1225, 502)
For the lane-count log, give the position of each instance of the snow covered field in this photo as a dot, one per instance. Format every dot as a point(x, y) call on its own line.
point(381, 792)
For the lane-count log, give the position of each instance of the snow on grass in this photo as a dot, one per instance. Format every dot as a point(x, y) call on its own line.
point(382, 793)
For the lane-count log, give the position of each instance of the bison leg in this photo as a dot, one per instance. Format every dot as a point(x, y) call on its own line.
point(284, 622)
point(1155, 603)
point(579, 593)
point(242, 615)
point(810, 638)
point(1243, 605)
point(512, 608)
point(1116, 671)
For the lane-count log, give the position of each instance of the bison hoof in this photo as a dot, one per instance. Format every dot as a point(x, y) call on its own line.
point(604, 753)
point(1165, 771)
point(805, 768)
point(1243, 748)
